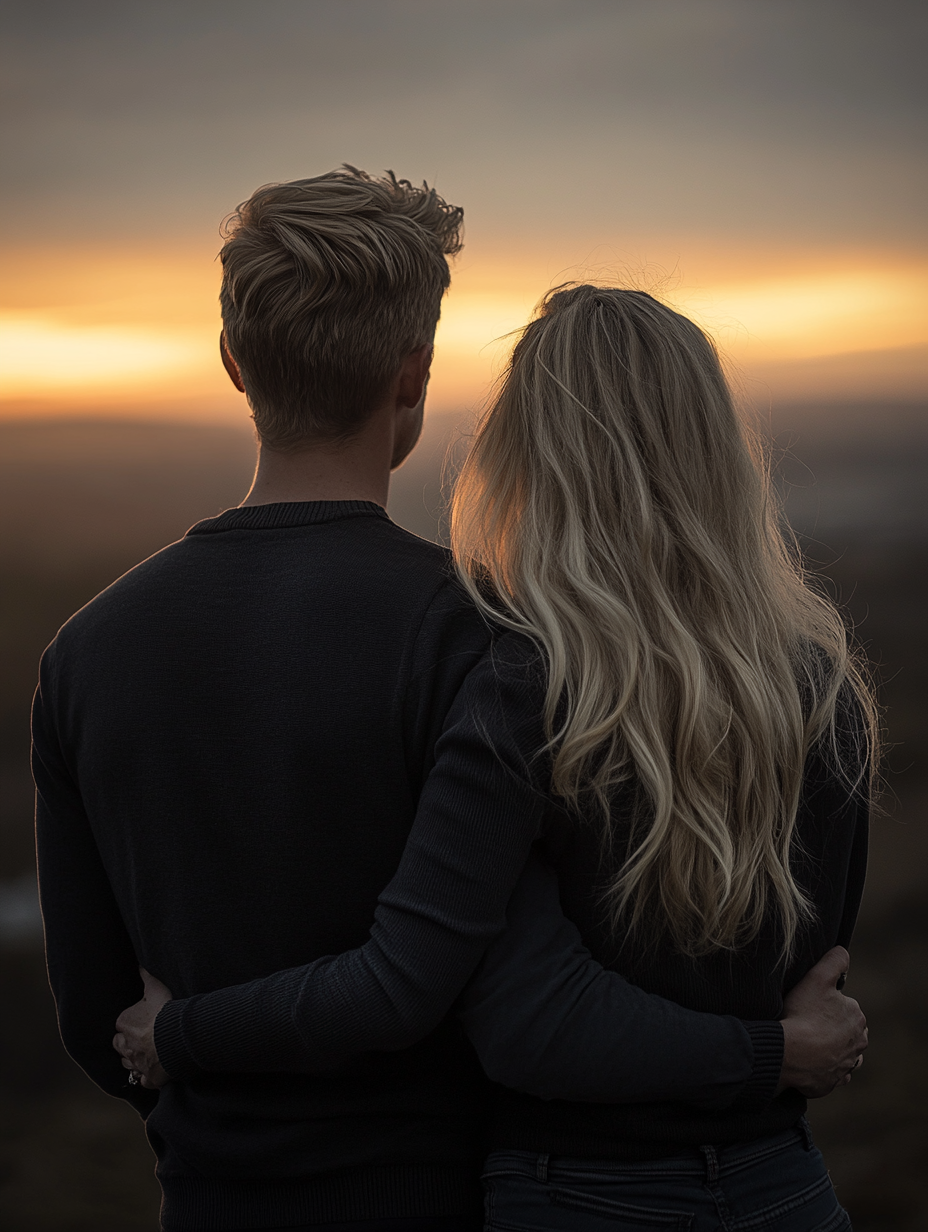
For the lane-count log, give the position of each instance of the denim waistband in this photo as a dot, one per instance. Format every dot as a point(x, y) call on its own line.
point(708, 1162)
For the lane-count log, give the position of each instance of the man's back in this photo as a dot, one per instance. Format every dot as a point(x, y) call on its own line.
point(240, 728)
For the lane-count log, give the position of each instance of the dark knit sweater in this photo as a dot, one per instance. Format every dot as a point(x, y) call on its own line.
point(231, 743)
point(471, 836)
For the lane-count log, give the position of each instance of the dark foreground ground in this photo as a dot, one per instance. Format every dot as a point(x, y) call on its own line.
point(80, 503)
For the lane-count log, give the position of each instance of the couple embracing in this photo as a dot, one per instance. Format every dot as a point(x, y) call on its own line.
point(532, 860)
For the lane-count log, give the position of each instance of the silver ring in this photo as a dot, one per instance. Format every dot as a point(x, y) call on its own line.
point(134, 1077)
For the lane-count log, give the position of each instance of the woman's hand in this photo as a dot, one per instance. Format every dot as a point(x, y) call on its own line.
point(135, 1035)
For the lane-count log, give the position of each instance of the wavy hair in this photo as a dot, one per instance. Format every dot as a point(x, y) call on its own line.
point(615, 509)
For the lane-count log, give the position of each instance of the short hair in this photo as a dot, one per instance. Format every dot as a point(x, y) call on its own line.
point(328, 284)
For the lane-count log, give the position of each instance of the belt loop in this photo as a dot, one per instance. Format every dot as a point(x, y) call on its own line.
point(806, 1130)
point(541, 1168)
point(712, 1164)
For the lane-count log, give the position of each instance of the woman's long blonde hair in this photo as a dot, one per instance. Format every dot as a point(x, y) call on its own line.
point(615, 510)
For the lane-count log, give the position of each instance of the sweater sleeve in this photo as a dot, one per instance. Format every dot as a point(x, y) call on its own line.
point(542, 1013)
point(92, 967)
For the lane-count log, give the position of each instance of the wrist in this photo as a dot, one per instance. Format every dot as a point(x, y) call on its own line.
point(800, 1043)
point(171, 1047)
point(767, 1043)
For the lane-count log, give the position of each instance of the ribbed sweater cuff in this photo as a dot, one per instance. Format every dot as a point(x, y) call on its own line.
point(233, 1030)
point(170, 1044)
point(767, 1042)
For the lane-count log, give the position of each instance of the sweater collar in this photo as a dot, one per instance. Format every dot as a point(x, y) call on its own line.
point(287, 513)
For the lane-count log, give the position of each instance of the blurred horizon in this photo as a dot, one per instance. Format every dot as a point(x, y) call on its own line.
point(120, 334)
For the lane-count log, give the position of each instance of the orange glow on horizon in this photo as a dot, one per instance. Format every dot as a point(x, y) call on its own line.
point(86, 329)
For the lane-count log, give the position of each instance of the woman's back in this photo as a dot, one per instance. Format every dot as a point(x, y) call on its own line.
point(708, 740)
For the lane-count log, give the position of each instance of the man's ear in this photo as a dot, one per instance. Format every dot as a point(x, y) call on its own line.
point(230, 365)
point(413, 376)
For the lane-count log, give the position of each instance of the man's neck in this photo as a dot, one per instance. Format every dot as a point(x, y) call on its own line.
point(358, 469)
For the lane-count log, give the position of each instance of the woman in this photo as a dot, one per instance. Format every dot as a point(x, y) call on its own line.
point(675, 720)
point(613, 510)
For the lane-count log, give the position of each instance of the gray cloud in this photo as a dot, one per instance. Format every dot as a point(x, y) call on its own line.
point(720, 116)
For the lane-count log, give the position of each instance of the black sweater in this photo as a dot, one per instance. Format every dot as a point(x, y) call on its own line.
point(482, 807)
point(230, 746)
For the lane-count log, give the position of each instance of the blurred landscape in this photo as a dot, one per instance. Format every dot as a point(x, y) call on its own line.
point(81, 502)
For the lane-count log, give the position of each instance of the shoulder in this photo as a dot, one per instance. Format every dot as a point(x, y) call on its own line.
point(126, 593)
point(400, 571)
point(516, 661)
point(404, 542)
point(511, 682)
point(502, 701)
point(101, 614)
point(84, 647)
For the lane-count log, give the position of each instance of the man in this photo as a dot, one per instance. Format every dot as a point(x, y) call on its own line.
point(230, 743)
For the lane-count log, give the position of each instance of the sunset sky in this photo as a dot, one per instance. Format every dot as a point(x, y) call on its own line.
point(758, 163)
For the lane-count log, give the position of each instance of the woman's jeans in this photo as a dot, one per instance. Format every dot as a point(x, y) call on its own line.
point(775, 1184)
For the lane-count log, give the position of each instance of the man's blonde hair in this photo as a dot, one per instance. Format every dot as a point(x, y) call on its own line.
point(328, 284)
point(615, 509)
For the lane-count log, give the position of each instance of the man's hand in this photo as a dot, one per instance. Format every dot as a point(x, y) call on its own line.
point(135, 1038)
point(825, 1032)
